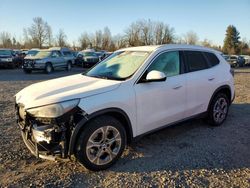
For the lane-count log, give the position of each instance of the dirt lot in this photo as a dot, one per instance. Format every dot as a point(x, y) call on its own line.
point(191, 154)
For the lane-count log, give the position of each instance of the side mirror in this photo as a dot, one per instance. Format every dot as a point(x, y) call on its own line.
point(155, 76)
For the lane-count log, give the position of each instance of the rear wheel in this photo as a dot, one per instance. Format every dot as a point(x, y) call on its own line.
point(218, 109)
point(48, 68)
point(101, 143)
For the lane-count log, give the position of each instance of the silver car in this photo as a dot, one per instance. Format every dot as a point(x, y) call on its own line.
point(46, 60)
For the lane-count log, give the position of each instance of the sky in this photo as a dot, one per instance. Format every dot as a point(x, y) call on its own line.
point(208, 18)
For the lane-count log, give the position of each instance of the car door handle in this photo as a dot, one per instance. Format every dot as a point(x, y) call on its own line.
point(210, 79)
point(177, 87)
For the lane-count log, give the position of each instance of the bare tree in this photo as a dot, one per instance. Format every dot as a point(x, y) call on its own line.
point(39, 33)
point(163, 33)
point(97, 43)
point(61, 39)
point(191, 38)
point(206, 43)
point(85, 41)
point(106, 40)
point(50, 36)
point(147, 32)
point(5, 40)
point(132, 35)
point(119, 41)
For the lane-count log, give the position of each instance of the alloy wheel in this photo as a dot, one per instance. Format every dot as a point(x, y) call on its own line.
point(103, 145)
point(220, 110)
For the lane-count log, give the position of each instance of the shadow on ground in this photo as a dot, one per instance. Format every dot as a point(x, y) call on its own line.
point(193, 145)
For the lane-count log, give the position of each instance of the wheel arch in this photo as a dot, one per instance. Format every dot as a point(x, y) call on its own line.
point(115, 112)
point(48, 62)
point(69, 61)
point(222, 89)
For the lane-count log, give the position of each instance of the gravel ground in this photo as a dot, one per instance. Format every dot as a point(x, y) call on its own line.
point(191, 154)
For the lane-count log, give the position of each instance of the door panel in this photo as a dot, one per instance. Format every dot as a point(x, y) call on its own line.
point(163, 102)
point(160, 103)
point(201, 81)
point(200, 88)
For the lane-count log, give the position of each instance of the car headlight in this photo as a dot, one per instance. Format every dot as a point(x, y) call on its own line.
point(53, 110)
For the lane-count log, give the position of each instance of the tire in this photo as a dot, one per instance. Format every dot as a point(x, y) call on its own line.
point(27, 71)
point(218, 109)
point(48, 68)
point(100, 155)
point(69, 66)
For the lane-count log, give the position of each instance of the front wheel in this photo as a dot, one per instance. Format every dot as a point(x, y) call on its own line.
point(48, 68)
point(218, 109)
point(69, 66)
point(101, 143)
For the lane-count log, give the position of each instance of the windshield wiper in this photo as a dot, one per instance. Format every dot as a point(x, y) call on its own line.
point(105, 77)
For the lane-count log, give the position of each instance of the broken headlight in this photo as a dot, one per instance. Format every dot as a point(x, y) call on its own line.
point(53, 110)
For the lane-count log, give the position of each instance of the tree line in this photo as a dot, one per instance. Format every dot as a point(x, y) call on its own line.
point(139, 33)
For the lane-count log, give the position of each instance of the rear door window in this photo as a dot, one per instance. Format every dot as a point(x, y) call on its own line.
point(195, 61)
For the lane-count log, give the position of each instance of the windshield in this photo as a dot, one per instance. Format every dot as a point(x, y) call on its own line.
point(88, 54)
point(119, 66)
point(5, 52)
point(32, 52)
point(42, 54)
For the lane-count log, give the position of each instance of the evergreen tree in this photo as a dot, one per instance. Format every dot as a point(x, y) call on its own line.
point(231, 41)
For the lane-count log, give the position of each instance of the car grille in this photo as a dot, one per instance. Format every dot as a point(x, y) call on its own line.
point(29, 63)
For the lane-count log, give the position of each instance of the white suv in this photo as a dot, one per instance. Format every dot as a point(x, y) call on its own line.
point(135, 91)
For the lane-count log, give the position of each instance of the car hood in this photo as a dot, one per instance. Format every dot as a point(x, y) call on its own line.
point(62, 89)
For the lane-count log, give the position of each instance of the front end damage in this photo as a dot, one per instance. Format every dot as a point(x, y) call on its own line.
point(48, 138)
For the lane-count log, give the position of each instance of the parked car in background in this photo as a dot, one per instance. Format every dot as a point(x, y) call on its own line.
point(232, 60)
point(240, 61)
point(46, 60)
point(32, 52)
point(247, 59)
point(135, 91)
point(19, 57)
point(7, 58)
point(87, 58)
point(226, 57)
point(101, 54)
point(24, 51)
point(67, 54)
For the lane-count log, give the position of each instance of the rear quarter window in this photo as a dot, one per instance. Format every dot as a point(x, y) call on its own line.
point(212, 59)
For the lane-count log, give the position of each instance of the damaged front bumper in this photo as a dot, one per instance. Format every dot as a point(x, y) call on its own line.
point(48, 138)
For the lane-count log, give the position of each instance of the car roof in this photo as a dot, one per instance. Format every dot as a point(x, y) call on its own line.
point(59, 48)
point(34, 49)
point(167, 47)
point(6, 49)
